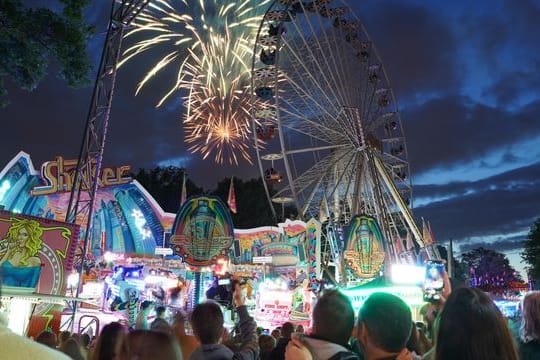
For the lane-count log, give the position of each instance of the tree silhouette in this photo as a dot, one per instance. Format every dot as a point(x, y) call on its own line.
point(531, 251)
point(31, 38)
point(489, 269)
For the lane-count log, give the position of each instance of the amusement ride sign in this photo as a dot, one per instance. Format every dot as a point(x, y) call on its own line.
point(60, 174)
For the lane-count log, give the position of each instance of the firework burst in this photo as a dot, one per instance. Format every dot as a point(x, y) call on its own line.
point(210, 46)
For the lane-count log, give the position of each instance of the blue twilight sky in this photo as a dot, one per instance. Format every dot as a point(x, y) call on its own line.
point(466, 76)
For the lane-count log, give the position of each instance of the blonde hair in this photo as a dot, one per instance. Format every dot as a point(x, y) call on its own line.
point(530, 325)
point(33, 243)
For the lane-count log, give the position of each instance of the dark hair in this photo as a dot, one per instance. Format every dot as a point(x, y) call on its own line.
point(287, 329)
point(472, 327)
point(530, 327)
point(85, 340)
point(160, 310)
point(108, 342)
point(71, 348)
point(333, 318)
point(145, 304)
point(207, 322)
point(64, 335)
point(152, 345)
point(47, 338)
point(388, 321)
point(267, 343)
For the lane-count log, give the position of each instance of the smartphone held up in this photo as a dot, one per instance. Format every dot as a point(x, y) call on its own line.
point(434, 280)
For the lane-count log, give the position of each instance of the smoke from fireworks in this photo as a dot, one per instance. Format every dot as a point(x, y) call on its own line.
point(210, 45)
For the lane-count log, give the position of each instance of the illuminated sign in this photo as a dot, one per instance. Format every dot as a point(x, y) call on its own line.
point(60, 174)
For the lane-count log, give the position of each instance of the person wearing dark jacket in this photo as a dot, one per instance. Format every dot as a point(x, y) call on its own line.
point(279, 351)
point(207, 324)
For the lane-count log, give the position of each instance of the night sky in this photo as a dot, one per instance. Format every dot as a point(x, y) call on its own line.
point(466, 76)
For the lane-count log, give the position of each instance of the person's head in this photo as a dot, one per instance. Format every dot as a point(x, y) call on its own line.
point(267, 343)
point(47, 338)
point(146, 306)
point(276, 334)
point(530, 326)
point(384, 324)
point(85, 340)
point(300, 329)
point(111, 343)
point(286, 330)
point(160, 311)
point(472, 327)
point(26, 235)
point(151, 345)
point(207, 322)
point(64, 335)
point(72, 348)
point(333, 318)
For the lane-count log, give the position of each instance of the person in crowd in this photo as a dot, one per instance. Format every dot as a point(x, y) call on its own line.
point(279, 351)
point(159, 323)
point(417, 344)
point(300, 329)
point(152, 345)
point(276, 333)
point(142, 317)
point(47, 338)
point(384, 327)
point(85, 343)
point(471, 327)
point(529, 345)
point(207, 324)
point(111, 343)
point(333, 322)
point(188, 343)
point(63, 337)
point(267, 343)
point(72, 349)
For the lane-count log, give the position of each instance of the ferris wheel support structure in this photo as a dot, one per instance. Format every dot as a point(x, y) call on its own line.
point(86, 178)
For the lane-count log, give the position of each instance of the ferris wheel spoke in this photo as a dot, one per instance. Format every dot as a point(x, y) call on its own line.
point(308, 54)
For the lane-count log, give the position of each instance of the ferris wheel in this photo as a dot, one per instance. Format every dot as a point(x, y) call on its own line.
point(328, 134)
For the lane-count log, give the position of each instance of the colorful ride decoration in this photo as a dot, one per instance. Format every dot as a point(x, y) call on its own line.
point(36, 255)
point(364, 252)
point(203, 231)
point(127, 219)
point(294, 249)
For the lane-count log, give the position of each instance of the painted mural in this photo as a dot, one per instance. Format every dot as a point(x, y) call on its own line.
point(203, 231)
point(126, 219)
point(35, 256)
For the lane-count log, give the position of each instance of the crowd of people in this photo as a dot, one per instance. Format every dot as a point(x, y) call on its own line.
point(464, 324)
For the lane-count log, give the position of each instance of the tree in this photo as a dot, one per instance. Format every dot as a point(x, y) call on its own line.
point(489, 269)
point(251, 203)
point(31, 38)
point(165, 185)
point(531, 251)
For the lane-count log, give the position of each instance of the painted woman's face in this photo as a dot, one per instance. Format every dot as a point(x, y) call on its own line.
point(22, 237)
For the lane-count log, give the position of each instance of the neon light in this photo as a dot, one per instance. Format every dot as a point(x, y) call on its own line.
point(4, 188)
point(140, 223)
point(412, 295)
point(407, 274)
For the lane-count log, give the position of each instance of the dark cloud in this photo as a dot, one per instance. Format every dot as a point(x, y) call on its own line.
point(454, 130)
point(503, 204)
point(501, 244)
point(417, 47)
point(514, 86)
